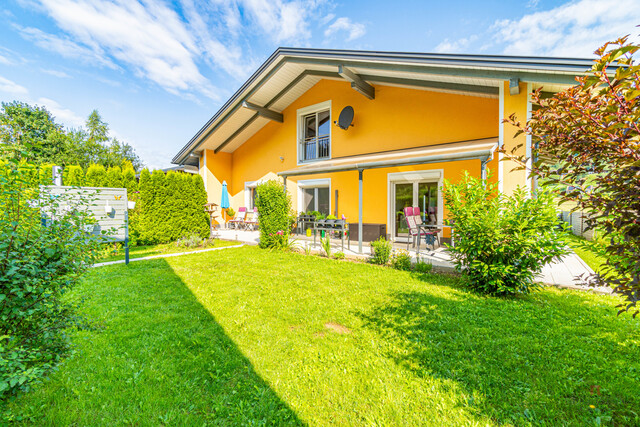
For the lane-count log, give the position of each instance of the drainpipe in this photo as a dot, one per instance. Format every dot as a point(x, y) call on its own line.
point(360, 171)
point(285, 184)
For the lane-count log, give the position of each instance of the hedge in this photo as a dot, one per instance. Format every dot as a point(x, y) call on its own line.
point(168, 207)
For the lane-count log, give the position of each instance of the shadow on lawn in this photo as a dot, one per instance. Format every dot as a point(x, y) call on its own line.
point(543, 358)
point(161, 359)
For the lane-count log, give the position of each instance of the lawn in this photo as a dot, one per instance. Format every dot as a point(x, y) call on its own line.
point(588, 251)
point(247, 336)
point(116, 252)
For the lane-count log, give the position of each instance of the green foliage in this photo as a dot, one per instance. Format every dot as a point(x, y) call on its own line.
point(339, 255)
point(96, 176)
point(380, 251)
point(73, 176)
point(401, 260)
point(326, 245)
point(32, 133)
point(587, 149)
point(45, 174)
point(231, 213)
point(501, 242)
point(168, 207)
point(194, 240)
point(331, 217)
point(422, 267)
point(39, 264)
point(114, 177)
point(129, 180)
point(274, 207)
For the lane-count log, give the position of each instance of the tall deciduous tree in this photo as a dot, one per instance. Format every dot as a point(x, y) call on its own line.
point(587, 144)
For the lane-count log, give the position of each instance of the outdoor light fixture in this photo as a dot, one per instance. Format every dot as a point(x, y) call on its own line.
point(281, 159)
point(514, 86)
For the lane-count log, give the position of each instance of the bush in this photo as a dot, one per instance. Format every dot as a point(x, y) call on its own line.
point(401, 260)
point(422, 267)
point(46, 174)
point(73, 176)
point(339, 255)
point(501, 242)
point(39, 264)
point(380, 251)
point(96, 176)
point(274, 207)
point(168, 207)
point(114, 177)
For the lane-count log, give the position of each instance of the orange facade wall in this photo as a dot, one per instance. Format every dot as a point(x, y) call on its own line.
point(397, 118)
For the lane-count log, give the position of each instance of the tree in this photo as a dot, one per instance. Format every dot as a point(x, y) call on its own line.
point(73, 176)
point(96, 176)
point(97, 129)
point(274, 206)
point(22, 125)
point(587, 145)
point(129, 180)
point(114, 177)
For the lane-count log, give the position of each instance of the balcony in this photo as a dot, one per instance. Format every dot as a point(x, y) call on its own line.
point(315, 148)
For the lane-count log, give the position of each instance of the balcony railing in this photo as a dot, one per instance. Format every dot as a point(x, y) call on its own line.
point(315, 148)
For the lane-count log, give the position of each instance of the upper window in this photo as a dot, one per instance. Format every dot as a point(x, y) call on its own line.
point(314, 133)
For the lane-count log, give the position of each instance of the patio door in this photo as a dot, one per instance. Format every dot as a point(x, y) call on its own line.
point(422, 193)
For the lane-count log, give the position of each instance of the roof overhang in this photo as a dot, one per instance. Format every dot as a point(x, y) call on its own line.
point(289, 72)
point(482, 150)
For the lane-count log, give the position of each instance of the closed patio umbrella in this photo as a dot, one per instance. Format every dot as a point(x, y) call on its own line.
point(224, 203)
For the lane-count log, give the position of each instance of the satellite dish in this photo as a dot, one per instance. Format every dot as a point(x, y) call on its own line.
point(346, 117)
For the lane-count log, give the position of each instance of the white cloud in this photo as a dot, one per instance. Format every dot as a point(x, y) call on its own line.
point(456, 46)
point(575, 29)
point(281, 20)
point(20, 93)
point(149, 37)
point(66, 47)
point(12, 88)
point(56, 73)
point(61, 114)
point(4, 60)
point(353, 29)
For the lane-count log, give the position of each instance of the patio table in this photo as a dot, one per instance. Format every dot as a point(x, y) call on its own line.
point(330, 229)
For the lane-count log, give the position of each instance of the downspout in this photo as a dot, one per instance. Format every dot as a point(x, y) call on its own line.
point(360, 172)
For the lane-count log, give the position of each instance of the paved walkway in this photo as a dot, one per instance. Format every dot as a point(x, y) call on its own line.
point(561, 273)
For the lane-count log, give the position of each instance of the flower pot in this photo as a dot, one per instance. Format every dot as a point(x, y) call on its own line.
point(131, 205)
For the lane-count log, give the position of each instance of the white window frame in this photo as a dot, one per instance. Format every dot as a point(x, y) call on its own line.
point(313, 183)
point(427, 175)
point(248, 185)
point(301, 113)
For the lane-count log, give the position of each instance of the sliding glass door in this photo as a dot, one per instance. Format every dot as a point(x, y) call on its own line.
point(422, 194)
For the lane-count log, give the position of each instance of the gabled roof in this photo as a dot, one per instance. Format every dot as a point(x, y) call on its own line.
point(289, 72)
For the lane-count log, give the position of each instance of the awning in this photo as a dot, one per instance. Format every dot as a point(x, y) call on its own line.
point(479, 149)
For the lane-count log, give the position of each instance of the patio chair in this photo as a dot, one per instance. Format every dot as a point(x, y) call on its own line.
point(251, 221)
point(414, 221)
point(238, 220)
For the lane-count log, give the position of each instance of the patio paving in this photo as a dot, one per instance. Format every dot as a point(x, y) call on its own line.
point(562, 273)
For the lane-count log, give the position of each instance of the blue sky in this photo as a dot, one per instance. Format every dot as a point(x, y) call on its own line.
point(157, 70)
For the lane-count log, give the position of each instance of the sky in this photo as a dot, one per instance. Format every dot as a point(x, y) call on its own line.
point(158, 70)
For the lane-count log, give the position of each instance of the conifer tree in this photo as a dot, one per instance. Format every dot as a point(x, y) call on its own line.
point(96, 176)
point(73, 176)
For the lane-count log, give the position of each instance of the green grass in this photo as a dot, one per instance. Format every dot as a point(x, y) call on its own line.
point(116, 253)
point(238, 337)
point(588, 251)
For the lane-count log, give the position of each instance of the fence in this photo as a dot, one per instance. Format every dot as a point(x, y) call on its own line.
point(578, 222)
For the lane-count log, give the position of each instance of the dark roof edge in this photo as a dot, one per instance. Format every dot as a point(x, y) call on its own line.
point(543, 64)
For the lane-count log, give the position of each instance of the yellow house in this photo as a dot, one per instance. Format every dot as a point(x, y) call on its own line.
point(417, 119)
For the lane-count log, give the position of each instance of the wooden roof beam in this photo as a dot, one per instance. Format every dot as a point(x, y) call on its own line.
point(264, 112)
point(357, 82)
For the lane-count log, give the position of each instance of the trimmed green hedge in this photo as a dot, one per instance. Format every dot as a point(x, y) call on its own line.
point(168, 207)
point(274, 206)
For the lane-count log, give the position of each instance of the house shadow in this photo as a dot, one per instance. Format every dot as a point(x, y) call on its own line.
point(537, 359)
point(158, 357)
